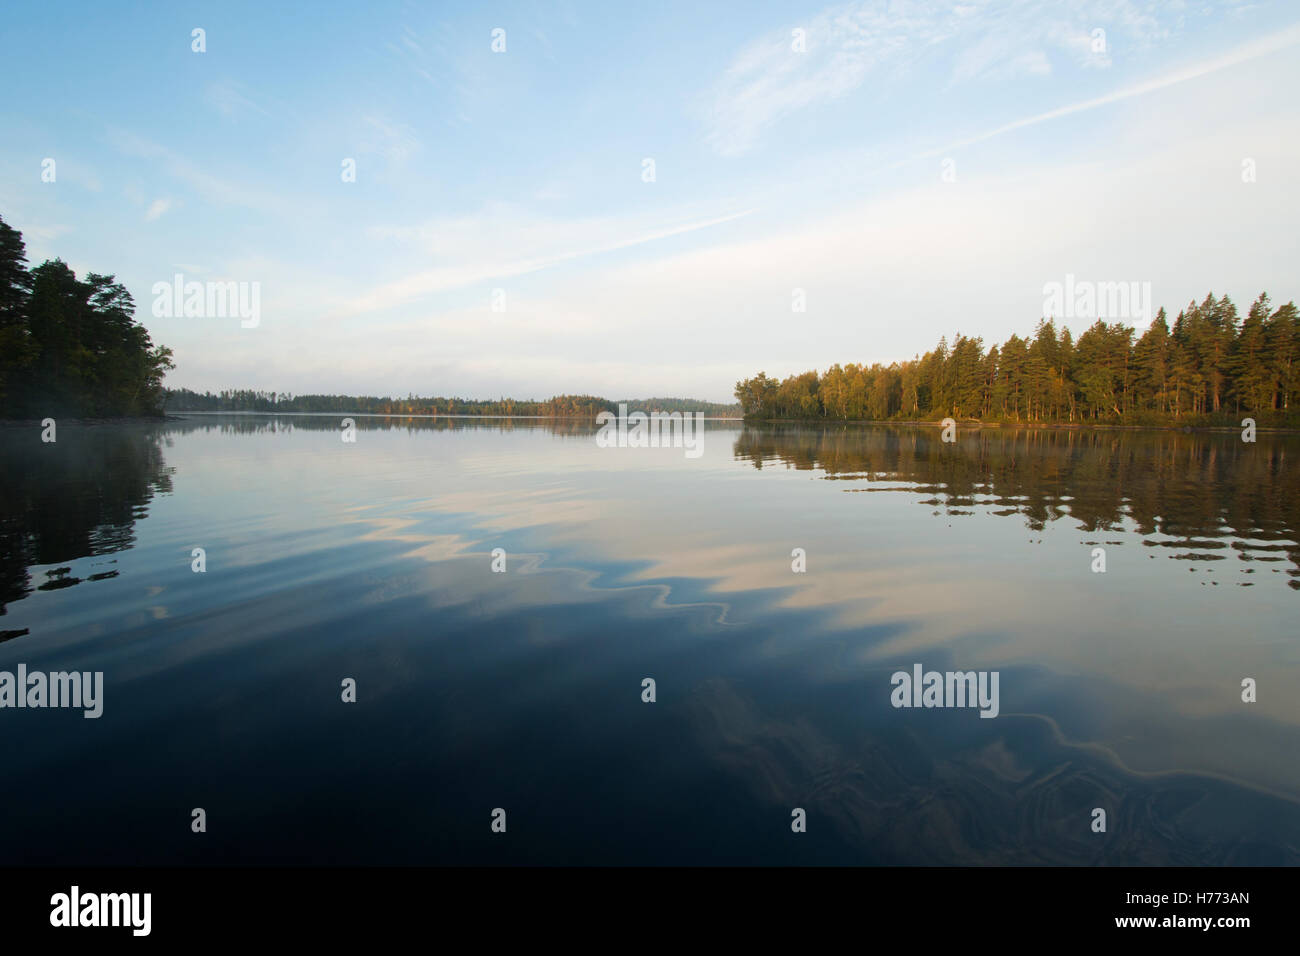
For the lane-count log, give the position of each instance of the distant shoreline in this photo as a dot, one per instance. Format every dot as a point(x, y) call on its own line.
point(806, 422)
point(534, 418)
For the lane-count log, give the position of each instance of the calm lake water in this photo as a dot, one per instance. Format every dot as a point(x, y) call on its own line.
point(523, 690)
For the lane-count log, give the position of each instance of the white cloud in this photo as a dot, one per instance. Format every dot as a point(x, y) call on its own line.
point(229, 99)
point(157, 208)
point(395, 142)
point(1241, 54)
point(886, 40)
point(502, 241)
point(212, 188)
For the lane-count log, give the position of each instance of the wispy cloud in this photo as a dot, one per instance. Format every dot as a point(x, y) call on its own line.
point(157, 208)
point(212, 188)
point(501, 242)
point(1242, 54)
point(230, 99)
point(885, 39)
point(395, 142)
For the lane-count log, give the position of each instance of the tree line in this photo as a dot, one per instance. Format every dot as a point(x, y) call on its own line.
point(560, 406)
point(71, 346)
point(1210, 366)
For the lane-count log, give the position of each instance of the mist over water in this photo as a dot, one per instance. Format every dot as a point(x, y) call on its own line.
point(372, 560)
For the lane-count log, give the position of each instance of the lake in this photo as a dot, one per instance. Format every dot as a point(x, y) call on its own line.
point(522, 690)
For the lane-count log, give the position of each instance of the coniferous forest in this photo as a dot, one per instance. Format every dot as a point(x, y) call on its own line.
point(1209, 366)
point(71, 346)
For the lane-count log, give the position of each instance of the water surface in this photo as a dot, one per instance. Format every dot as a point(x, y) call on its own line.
point(522, 690)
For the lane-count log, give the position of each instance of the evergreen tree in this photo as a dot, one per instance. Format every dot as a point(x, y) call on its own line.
point(1208, 367)
point(70, 346)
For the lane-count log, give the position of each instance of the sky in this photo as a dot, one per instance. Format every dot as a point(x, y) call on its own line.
point(633, 200)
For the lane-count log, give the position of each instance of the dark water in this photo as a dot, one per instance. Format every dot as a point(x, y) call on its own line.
point(522, 690)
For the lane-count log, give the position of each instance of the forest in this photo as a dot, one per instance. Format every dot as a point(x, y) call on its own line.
point(71, 346)
point(1211, 366)
point(560, 406)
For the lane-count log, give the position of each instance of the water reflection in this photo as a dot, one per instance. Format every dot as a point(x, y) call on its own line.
point(75, 498)
point(1205, 497)
point(372, 560)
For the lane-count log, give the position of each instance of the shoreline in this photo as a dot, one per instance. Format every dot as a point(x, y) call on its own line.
point(1064, 426)
point(36, 422)
point(184, 416)
point(807, 422)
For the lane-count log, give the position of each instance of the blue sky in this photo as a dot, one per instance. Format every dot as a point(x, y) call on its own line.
point(522, 171)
